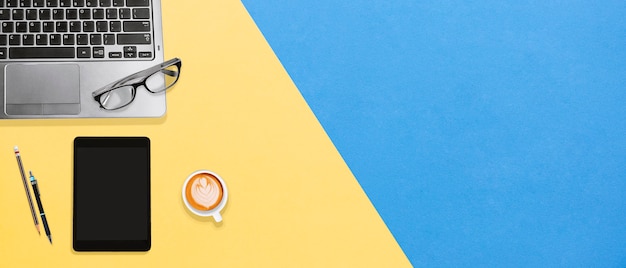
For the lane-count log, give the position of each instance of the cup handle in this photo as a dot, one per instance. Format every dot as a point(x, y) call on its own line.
point(218, 217)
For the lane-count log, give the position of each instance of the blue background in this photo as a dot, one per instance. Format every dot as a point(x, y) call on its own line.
point(485, 134)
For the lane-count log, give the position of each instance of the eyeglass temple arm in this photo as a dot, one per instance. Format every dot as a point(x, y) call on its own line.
point(169, 72)
point(138, 74)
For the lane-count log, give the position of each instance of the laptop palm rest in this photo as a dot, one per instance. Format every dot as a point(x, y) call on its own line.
point(42, 89)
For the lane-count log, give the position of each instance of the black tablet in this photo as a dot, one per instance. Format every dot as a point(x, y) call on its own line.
point(111, 194)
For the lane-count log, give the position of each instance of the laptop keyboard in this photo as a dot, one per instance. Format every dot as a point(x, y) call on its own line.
point(90, 30)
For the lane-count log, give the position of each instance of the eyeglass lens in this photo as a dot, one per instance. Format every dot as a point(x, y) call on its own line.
point(156, 82)
point(117, 97)
point(162, 79)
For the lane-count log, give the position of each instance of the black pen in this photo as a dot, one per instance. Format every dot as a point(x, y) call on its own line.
point(33, 182)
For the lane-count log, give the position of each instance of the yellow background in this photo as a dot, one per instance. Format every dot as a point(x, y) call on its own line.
point(292, 200)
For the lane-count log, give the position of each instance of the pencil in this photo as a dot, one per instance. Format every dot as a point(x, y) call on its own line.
point(30, 201)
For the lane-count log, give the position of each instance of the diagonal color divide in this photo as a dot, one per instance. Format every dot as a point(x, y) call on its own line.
point(485, 134)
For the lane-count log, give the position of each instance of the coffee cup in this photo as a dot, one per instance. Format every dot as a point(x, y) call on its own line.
point(205, 194)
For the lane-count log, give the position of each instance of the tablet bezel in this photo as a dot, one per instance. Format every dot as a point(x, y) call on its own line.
point(111, 245)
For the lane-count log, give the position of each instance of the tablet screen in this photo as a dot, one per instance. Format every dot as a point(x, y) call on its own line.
point(111, 194)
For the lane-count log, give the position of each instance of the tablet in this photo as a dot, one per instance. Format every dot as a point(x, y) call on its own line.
point(111, 203)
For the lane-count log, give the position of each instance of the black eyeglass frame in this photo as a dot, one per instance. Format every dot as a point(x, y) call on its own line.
point(143, 75)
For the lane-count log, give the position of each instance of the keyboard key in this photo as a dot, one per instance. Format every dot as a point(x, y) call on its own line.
point(88, 26)
point(68, 39)
point(3, 39)
point(52, 3)
point(141, 13)
point(7, 27)
point(115, 55)
point(134, 39)
point(61, 26)
point(136, 26)
point(91, 3)
point(34, 26)
point(14, 40)
point(83, 52)
point(79, 3)
point(75, 26)
point(39, 3)
point(41, 52)
point(12, 3)
point(111, 13)
point(137, 3)
point(3, 53)
point(55, 39)
point(71, 14)
point(45, 14)
point(118, 3)
point(82, 39)
point(28, 39)
point(98, 52)
point(31, 14)
point(25, 3)
point(105, 3)
point(130, 49)
point(95, 39)
point(42, 39)
point(57, 14)
point(102, 26)
point(48, 26)
point(109, 39)
point(125, 13)
point(65, 3)
point(18, 14)
point(21, 27)
point(145, 54)
point(116, 26)
point(98, 14)
point(84, 14)
point(5, 14)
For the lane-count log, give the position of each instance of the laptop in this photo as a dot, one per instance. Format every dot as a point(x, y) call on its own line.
point(55, 53)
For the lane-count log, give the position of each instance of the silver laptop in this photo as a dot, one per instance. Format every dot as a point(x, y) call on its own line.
point(55, 53)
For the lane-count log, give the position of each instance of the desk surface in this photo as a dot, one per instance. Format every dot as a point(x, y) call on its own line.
point(292, 199)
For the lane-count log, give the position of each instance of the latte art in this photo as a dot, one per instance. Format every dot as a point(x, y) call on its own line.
point(204, 192)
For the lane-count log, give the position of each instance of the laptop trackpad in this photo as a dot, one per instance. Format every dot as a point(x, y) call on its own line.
point(42, 89)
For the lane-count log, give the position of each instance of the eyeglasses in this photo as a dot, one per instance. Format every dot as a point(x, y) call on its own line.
point(155, 79)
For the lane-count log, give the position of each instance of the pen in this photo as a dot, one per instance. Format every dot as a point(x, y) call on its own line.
point(30, 201)
point(33, 182)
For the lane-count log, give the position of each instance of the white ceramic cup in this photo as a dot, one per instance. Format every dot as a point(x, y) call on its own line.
point(215, 211)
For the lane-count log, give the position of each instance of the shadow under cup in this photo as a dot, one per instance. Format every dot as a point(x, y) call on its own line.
point(205, 194)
